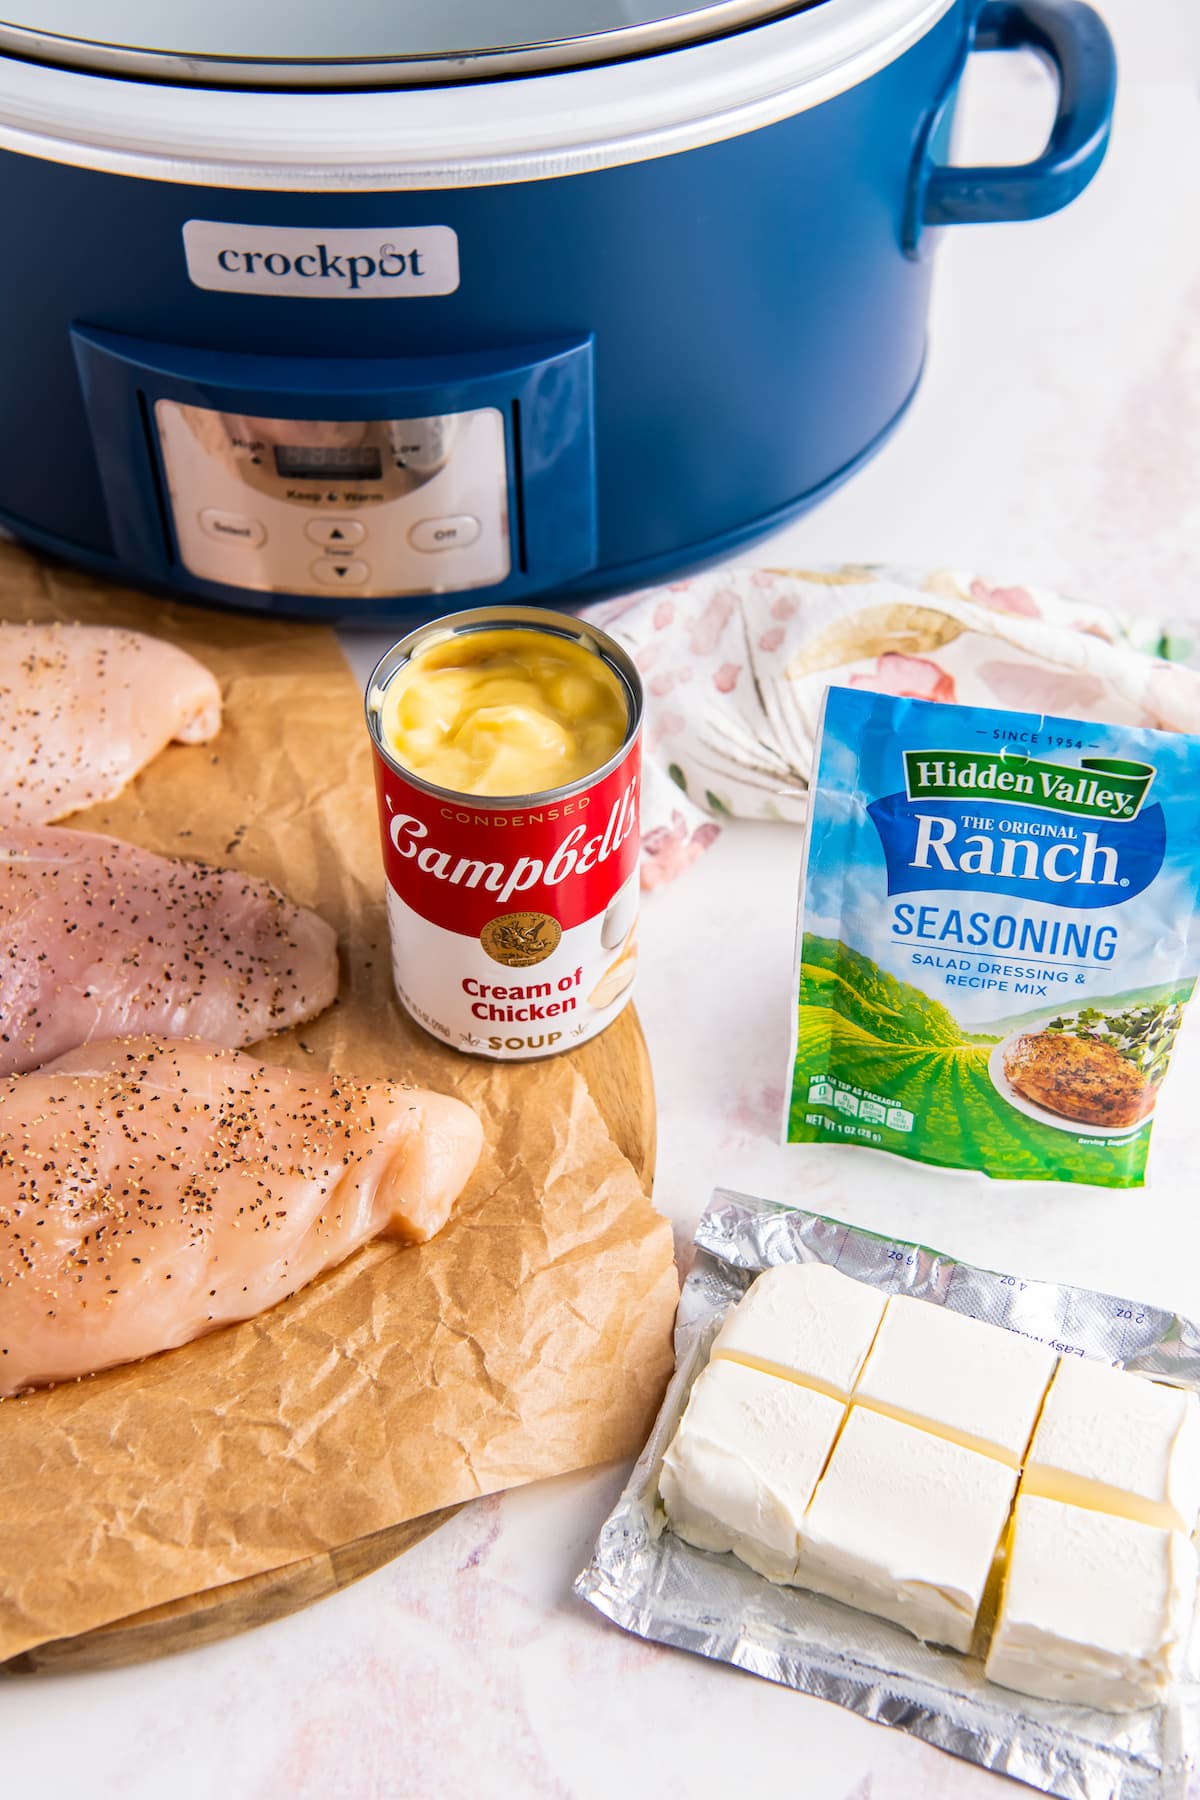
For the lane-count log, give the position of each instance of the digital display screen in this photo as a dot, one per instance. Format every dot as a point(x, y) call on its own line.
point(328, 462)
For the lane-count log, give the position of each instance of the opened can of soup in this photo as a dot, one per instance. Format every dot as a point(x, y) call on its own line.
point(507, 762)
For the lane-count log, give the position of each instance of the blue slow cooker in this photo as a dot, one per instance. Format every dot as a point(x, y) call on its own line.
point(335, 312)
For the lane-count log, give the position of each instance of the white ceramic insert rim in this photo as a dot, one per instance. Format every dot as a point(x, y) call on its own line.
point(358, 43)
point(465, 134)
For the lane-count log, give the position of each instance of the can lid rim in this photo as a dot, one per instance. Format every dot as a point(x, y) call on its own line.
point(497, 618)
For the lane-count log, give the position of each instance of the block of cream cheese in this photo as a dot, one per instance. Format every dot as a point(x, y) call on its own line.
point(743, 1464)
point(906, 1524)
point(1094, 1610)
point(977, 1384)
point(806, 1322)
point(1118, 1443)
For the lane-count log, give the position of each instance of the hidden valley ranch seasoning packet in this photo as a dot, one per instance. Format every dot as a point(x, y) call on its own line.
point(997, 939)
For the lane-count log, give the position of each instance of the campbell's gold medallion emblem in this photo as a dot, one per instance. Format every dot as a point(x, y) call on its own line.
point(519, 939)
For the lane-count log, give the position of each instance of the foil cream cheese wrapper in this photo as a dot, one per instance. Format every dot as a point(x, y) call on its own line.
point(650, 1582)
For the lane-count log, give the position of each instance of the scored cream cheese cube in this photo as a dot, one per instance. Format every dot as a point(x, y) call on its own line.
point(1118, 1443)
point(743, 1464)
point(806, 1322)
point(1094, 1610)
point(976, 1384)
point(906, 1524)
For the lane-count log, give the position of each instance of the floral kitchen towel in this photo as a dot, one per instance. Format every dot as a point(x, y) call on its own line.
point(735, 664)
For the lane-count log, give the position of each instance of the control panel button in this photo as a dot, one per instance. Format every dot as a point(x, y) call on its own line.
point(451, 533)
point(238, 528)
point(335, 533)
point(340, 571)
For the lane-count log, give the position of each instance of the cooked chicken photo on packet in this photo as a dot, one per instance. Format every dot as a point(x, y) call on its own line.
point(998, 936)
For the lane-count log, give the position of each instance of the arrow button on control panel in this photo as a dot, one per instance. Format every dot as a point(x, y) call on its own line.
point(337, 571)
point(335, 533)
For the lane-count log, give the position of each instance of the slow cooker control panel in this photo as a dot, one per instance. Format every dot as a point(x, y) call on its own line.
point(380, 507)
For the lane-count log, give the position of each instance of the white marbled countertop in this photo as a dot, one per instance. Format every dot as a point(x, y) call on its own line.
point(1056, 439)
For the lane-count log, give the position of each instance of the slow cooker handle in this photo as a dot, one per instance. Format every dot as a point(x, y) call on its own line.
point(1077, 43)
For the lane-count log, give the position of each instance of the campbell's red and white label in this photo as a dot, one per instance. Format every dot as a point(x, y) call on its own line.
point(514, 929)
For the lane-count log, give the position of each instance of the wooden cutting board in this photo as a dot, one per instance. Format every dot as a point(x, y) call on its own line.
point(616, 1067)
point(243, 810)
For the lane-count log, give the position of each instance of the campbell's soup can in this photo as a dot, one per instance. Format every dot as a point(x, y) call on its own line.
point(513, 917)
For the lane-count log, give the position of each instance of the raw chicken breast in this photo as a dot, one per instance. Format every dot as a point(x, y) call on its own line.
point(152, 1190)
point(98, 938)
point(84, 707)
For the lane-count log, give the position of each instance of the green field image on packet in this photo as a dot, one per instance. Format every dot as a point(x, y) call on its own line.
point(998, 937)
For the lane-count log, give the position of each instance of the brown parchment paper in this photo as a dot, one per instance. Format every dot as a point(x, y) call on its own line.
point(530, 1338)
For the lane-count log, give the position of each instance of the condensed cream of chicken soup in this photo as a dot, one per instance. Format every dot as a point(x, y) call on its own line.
point(507, 763)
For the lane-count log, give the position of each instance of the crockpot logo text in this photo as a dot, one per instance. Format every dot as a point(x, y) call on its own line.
point(353, 265)
point(318, 265)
